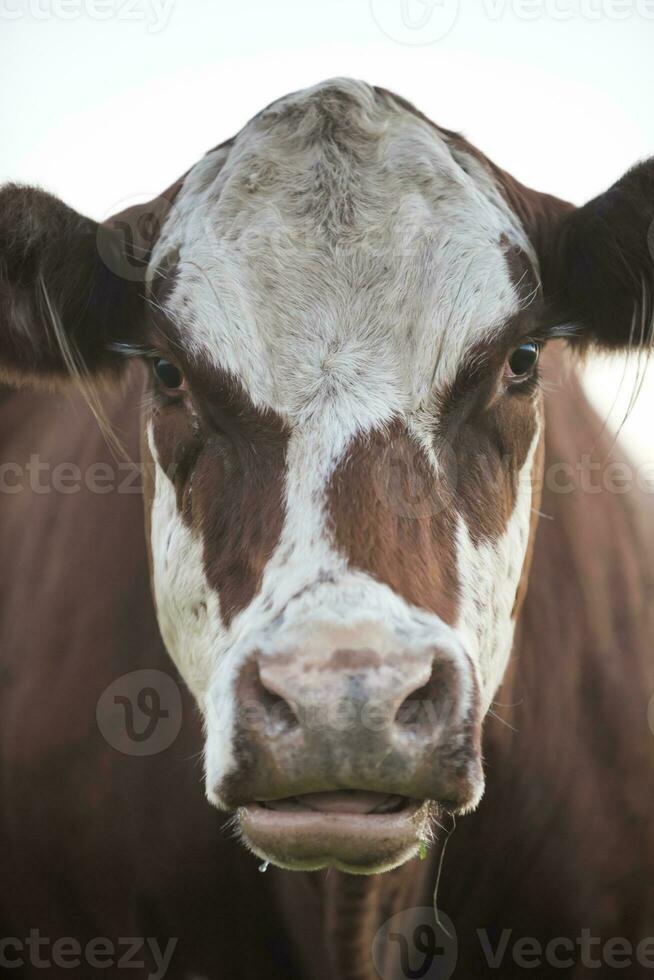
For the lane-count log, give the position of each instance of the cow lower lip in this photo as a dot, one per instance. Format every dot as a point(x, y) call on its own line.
point(352, 830)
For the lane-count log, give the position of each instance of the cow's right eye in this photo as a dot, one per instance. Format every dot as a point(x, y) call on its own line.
point(167, 373)
point(522, 360)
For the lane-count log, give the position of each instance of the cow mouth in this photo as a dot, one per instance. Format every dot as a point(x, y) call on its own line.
point(353, 830)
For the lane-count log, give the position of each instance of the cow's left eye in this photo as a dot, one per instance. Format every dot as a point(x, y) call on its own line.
point(167, 373)
point(522, 361)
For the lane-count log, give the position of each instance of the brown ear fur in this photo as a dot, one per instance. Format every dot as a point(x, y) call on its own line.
point(71, 290)
point(597, 261)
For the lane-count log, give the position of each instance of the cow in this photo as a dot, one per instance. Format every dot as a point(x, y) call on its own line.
point(408, 635)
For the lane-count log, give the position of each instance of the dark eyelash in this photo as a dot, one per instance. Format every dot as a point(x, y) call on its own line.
point(132, 350)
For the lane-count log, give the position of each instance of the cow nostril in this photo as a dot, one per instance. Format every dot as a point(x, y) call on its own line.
point(418, 710)
point(424, 709)
point(430, 708)
point(280, 714)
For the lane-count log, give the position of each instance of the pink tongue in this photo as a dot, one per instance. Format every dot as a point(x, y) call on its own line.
point(343, 801)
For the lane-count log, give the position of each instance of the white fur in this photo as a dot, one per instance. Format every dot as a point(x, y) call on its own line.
point(188, 609)
point(489, 575)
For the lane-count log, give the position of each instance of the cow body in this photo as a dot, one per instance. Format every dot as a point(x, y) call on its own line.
point(363, 492)
point(96, 843)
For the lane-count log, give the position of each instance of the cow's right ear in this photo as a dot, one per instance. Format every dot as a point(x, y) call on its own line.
point(597, 261)
point(69, 292)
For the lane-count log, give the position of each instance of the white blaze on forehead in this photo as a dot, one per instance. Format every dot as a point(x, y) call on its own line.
point(489, 575)
point(338, 250)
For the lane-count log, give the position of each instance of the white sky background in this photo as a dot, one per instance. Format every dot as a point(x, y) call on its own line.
point(112, 110)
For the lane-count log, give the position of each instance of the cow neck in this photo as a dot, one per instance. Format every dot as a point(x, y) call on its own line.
point(333, 917)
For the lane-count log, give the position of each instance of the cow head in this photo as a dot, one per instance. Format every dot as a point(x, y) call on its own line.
point(341, 311)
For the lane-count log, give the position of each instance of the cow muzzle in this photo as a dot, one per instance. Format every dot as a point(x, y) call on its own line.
point(345, 751)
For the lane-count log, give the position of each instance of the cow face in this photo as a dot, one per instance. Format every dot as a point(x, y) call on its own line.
point(343, 323)
point(344, 458)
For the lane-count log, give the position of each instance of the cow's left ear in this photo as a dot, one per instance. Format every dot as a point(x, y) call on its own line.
point(71, 290)
point(597, 264)
point(63, 300)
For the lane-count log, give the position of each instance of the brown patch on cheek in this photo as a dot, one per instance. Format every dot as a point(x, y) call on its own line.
point(178, 442)
point(482, 435)
point(488, 454)
point(227, 464)
point(391, 517)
